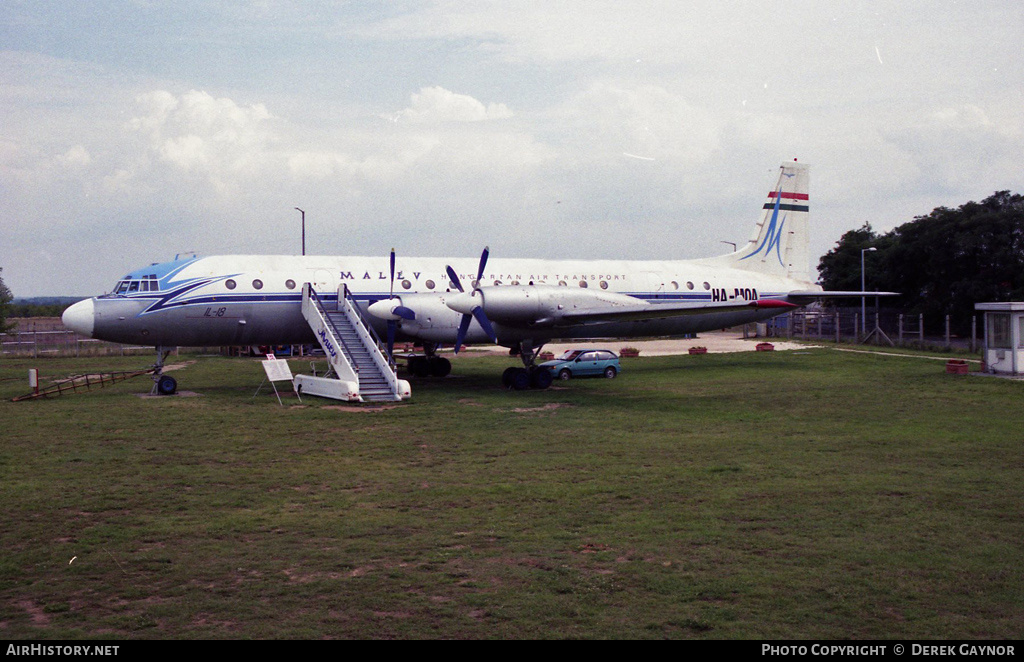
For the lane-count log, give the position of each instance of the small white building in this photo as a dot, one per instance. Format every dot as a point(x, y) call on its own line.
point(1004, 337)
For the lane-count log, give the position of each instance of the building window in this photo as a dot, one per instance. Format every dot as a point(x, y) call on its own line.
point(999, 331)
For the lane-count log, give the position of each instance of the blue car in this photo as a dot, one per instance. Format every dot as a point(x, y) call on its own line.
point(581, 362)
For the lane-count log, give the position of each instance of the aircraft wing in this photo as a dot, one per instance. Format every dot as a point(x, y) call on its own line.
point(651, 311)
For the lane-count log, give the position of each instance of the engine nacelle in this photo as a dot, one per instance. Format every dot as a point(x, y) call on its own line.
point(535, 305)
point(433, 319)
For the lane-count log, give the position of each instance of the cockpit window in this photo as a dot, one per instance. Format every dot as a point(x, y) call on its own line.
point(130, 286)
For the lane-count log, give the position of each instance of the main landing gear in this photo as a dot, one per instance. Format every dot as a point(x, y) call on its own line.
point(430, 365)
point(162, 384)
point(530, 375)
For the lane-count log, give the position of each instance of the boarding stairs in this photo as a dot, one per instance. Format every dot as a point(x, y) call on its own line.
point(362, 371)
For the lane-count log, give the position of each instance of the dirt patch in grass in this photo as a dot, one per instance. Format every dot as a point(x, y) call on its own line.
point(551, 406)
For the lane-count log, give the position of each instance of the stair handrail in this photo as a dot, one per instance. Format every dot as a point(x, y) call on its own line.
point(327, 319)
point(347, 293)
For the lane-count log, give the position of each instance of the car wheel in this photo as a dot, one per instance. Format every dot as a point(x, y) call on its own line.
point(564, 375)
point(610, 372)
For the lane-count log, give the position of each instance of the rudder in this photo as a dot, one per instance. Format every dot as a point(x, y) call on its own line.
point(780, 241)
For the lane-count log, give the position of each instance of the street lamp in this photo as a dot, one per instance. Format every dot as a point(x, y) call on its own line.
point(303, 229)
point(863, 299)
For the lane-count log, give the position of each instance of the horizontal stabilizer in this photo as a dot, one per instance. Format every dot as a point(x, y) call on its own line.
point(834, 294)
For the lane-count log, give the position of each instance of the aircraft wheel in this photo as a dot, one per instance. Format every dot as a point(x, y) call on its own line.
point(541, 378)
point(166, 385)
point(521, 380)
point(610, 373)
point(419, 367)
point(508, 375)
point(564, 375)
point(440, 367)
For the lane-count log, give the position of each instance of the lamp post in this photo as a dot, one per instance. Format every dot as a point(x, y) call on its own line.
point(303, 229)
point(863, 299)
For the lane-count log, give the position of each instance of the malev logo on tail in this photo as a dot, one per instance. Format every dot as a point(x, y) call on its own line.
point(773, 235)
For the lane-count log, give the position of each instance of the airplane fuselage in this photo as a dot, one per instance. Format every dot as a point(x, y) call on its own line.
point(256, 300)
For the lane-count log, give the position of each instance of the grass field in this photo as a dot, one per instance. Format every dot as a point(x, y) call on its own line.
point(811, 494)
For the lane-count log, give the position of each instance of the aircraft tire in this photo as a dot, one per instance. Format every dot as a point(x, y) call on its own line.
point(507, 376)
point(521, 380)
point(440, 367)
point(419, 367)
point(540, 379)
point(166, 385)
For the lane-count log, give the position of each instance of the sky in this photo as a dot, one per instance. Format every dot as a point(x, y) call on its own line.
point(135, 130)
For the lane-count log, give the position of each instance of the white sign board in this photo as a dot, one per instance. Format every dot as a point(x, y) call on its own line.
point(277, 370)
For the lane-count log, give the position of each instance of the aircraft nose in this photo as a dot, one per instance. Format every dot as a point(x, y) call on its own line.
point(80, 317)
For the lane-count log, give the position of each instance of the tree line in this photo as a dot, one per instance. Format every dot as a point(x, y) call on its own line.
point(942, 263)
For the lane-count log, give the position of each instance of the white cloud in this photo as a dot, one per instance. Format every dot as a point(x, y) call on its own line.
point(436, 105)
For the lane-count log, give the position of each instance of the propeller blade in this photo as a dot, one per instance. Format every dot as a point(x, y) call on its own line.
point(463, 330)
point(404, 313)
point(483, 263)
point(392, 272)
point(454, 279)
point(485, 323)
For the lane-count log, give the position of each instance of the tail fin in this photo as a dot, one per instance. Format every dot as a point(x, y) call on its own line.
point(780, 241)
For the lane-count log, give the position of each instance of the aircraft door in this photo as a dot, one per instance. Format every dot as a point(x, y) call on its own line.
point(655, 283)
point(324, 282)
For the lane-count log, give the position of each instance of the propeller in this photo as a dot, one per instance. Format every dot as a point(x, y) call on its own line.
point(396, 312)
point(476, 311)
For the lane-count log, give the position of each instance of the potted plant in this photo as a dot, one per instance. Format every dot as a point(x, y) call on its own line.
point(629, 352)
point(698, 350)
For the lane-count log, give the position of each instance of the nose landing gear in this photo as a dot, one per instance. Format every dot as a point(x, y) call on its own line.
point(162, 384)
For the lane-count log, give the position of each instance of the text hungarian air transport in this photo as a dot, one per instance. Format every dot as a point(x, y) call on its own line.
point(347, 303)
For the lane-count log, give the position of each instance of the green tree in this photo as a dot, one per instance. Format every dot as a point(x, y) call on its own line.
point(942, 263)
point(5, 301)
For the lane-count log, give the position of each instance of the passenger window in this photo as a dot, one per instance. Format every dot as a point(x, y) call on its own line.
point(257, 284)
point(230, 284)
point(290, 284)
point(430, 284)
